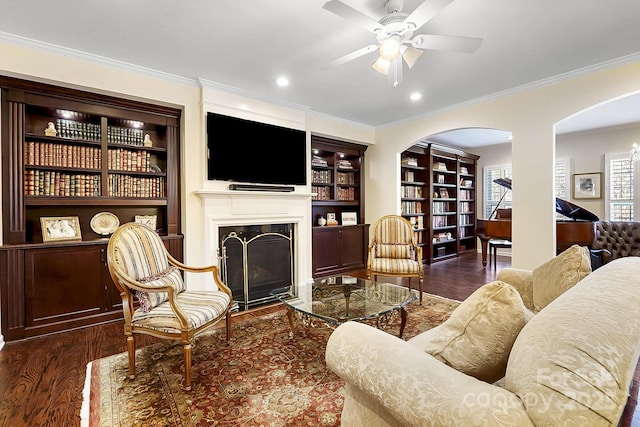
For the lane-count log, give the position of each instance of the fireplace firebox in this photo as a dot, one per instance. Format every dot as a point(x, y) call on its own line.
point(256, 259)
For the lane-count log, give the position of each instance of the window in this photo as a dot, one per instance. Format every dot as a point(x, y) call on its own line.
point(494, 193)
point(562, 182)
point(621, 187)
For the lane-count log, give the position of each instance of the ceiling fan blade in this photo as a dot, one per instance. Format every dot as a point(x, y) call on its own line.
point(427, 10)
point(345, 11)
point(460, 44)
point(353, 55)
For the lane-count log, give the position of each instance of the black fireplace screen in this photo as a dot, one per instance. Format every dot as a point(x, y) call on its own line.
point(256, 259)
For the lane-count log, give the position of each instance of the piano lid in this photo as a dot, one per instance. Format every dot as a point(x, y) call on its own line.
point(563, 207)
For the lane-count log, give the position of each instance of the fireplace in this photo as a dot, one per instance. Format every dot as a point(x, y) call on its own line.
point(256, 259)
point(289, 213)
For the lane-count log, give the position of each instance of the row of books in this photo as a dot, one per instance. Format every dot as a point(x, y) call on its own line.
point(128, 136)
point(321, 193)
point(51, 183)
point(346, 178)
point(54, 183)
point(417, 222)
point(61, 155)
point(319, 161)
point(440, 221)
point(409, 161)
point(344, 164)
point(440, 207)
point(466, 194)
point(346, 194)
point(129, 160)
point(411, 191)
point(466, 206)
point(410, 207)
point(465, 219)
point(77, 130)
point(132, 186)
point(321, 176)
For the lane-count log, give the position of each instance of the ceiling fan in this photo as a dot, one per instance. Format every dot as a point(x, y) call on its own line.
point(394, 33)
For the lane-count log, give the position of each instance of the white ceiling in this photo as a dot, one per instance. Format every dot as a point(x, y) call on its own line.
point(245, 45)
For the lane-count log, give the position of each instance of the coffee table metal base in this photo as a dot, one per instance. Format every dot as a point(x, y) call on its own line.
point(381, 322)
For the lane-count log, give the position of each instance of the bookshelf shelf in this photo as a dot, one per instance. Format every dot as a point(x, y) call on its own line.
point(444, 218)
point(336, 171)
point(72, 153)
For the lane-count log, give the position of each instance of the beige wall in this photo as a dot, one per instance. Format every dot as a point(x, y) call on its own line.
point(530, 115)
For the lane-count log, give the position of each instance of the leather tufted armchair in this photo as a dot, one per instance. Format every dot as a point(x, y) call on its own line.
point(616, 239)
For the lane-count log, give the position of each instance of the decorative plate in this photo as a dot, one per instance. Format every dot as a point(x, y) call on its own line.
point(104, 223)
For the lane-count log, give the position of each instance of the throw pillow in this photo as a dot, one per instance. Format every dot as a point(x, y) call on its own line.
point(171, 277)
point(556, 276)
point(478, 336)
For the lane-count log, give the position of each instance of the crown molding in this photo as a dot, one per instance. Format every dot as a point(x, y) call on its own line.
point(518, 89)
point(90, 57)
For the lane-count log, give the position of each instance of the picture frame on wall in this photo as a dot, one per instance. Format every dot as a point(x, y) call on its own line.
point(60, 228)
point(587, 185)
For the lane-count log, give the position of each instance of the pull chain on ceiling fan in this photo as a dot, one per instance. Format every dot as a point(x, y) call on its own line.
point(394, 34)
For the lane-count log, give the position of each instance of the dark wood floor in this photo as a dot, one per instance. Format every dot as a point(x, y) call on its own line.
point(41, 379)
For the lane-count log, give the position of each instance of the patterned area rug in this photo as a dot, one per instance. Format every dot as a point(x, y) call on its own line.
point(265, 376)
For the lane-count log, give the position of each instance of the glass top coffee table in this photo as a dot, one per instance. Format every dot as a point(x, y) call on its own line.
point(335, 300)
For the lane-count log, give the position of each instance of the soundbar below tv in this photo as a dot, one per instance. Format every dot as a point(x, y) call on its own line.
point(246, 151)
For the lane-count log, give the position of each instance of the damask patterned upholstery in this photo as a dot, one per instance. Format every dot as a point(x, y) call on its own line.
point(617, 239)
point(141, 266)
point(572, 364)
point(393, 250)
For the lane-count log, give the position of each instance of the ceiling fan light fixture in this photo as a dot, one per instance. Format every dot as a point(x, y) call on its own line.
point(381, 65)
point(390, 48)
point(411, 56)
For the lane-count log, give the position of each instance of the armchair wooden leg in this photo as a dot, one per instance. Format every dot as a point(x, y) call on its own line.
point(228, 325)
point(131, 349)
point(420, 284)
point(187, 366)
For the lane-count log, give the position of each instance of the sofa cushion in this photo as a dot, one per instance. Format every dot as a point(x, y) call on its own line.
point(556, 276)
point(479, 334)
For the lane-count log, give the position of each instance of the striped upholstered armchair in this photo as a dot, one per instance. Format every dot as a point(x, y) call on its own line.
point(141, 267)
point(393, 251)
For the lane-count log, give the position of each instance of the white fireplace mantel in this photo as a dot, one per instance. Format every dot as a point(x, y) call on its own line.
point(223, 208)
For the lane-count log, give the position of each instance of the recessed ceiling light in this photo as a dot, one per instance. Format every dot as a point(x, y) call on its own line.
point(415, 96)
point(282, 81)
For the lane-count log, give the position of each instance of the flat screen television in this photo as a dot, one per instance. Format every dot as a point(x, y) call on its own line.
point(246, 151)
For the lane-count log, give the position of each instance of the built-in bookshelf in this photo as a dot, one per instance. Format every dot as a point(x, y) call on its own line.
point(438, 198)
point(74, 154)
point(339, 245)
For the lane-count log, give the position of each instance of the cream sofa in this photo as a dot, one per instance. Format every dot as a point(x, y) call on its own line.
point(571, 364)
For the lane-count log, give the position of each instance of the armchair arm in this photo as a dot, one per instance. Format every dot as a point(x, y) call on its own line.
point(212, 268)
point(522, 280)
point(410, 385)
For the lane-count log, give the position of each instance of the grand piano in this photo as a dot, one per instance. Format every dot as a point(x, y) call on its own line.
point(580, 228)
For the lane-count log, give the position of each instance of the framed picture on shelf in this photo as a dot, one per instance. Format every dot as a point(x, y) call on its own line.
point(349, 218)
point(440, 179)
point(60, 228)
point(331, 219)
point(148, 220)
point(444, 193)
point(587, 185)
